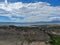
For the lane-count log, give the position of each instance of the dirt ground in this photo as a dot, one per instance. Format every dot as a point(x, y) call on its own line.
point(19, 43)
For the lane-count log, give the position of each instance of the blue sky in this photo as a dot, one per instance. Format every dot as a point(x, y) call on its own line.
point(20, 12)
point(52, 2)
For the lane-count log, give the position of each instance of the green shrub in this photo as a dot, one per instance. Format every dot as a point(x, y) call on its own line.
point(55, 40)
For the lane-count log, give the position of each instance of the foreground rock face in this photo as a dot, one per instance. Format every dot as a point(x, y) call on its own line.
point(23, 33)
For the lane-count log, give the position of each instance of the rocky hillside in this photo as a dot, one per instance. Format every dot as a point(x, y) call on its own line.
point(35, 34)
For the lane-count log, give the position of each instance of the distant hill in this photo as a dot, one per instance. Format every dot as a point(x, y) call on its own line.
point(29, 23)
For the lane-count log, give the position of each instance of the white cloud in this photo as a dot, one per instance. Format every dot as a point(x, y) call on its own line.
point(55, 18)
point(32, 12)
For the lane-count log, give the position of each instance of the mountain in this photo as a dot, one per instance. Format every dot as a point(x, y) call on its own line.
point(31, 23)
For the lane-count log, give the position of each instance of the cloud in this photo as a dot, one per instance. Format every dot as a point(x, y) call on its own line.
point(55, 18)
point(29, 12)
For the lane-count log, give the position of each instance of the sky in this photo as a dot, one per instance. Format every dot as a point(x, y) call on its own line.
point(29, 10)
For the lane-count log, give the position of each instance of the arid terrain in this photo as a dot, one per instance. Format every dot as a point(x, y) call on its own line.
point(31, 35)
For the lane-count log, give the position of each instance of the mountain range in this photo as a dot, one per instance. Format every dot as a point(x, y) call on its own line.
point(31, 23)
